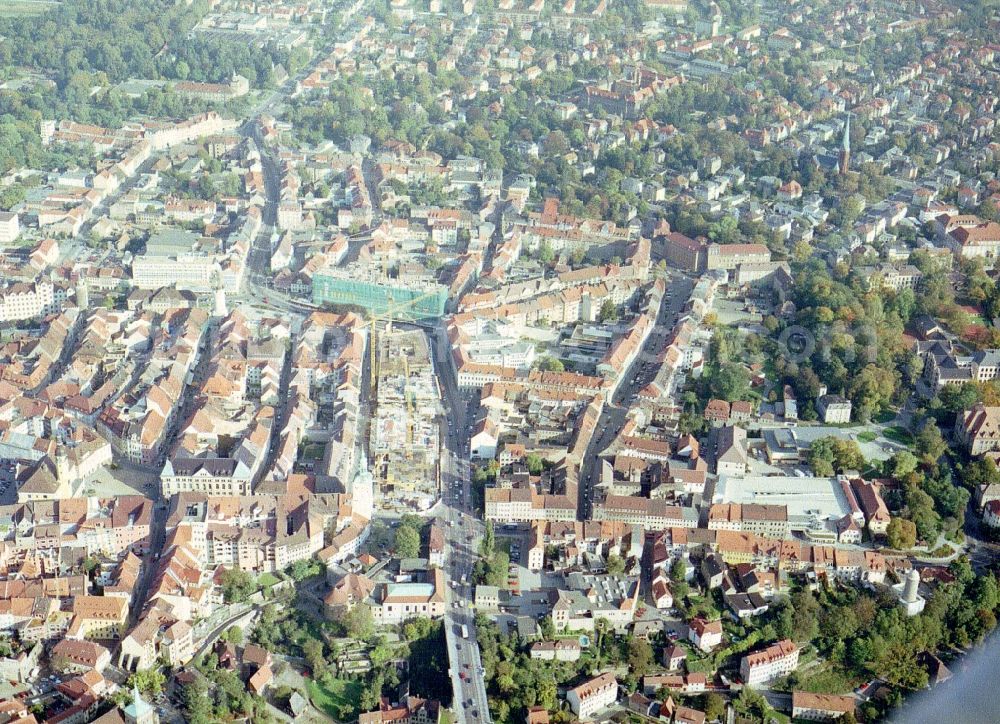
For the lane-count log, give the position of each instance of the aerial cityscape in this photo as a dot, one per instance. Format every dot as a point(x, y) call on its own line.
point(499, 361)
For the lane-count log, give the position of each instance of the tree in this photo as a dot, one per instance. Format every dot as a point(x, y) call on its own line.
point(312, 651)
point(545, 253)
point(304, 568)
point(90, 564)
point(359, 622)
point(896, 661)
point(237, 585)
point(148, 681)
point(714, 706)
point(534, 463)
point(11, 196)
point(196, 701)
point(871, 390)
point(980, 472)
point(730, 383)
point(930, 443)
point(678, 571)
point(851, 209)
point(821, 457)
point(988, 210)
point(407, 542)
point(487, 547)
point(804, 620)
point(548, 628)
point(233, 635)
point(752, 705)
point(615, 565)
point(956, 398)
point(549, 363)
point(609, 312)
point(830, 454)
point(640, 656)
point(901, 464)
point(901, 534)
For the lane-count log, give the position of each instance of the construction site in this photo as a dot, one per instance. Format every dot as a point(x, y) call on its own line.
point(405, 435)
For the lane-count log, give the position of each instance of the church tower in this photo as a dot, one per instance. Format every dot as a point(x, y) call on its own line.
point(138, 711)
point(221, 309)
point(844, 162)
point(82, 294)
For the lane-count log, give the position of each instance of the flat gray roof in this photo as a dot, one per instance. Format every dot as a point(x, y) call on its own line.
point(805, 498)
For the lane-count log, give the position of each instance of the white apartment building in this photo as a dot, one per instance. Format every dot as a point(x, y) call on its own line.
point(24, 300)
point(594, 695)
point(186, 271)
point(289, 215)
point(730, 256)
point(10, 227)
point(401, 601)
point(834, 409)
point(214, 476)
point(778, 659)
point(501, 352)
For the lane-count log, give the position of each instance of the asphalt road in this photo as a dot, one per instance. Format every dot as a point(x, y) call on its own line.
point(641, 372)
point(463, 531)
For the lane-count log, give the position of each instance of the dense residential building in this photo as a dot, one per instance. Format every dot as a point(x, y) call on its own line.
point(706, 635)
point(425, 259)
point(821, 707)
point(834, 409)
point(760, 667)
point(593, 695)
point(978, 429)
point(396, 602)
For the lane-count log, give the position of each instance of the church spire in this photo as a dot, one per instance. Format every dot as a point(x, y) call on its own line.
point(845, 147)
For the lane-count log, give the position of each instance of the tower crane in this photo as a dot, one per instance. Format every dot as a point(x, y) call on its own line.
point(386, 316)
point(409, 406)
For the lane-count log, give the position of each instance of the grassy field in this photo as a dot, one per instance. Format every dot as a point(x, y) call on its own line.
point(20, 8)
point(312, 451)
point(827, 681)
point(339, 700)
point(899, 434)
point(885, 416)
point(266, 580)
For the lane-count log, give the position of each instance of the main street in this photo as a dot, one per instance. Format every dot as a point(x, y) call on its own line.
point(640, 373)
point(463, 531)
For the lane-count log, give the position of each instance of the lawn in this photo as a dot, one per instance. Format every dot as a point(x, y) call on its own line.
point(867, 436)
point(312, 451)
point(828, 681)
point(266, 580)
point(885, 416)
point(898, 434)
point(338, 699)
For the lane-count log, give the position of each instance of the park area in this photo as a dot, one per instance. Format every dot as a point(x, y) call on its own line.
point(337, 698)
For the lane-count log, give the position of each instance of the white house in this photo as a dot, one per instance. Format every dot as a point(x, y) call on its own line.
point(834, 409)
point(706, 635)
point(594, 695)
point(778, 659)
point(483, 444)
